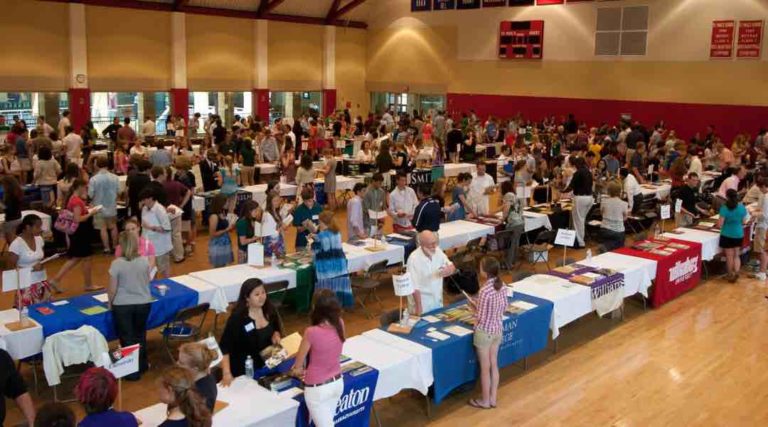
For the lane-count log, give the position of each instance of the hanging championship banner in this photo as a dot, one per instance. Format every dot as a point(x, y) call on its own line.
point(721, 44)
point(750, 39)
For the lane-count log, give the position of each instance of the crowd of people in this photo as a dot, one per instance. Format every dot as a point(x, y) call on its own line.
point(81, 186)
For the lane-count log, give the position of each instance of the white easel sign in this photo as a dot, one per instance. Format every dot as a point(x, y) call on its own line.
point(678, 205)
point(256, 254)
point(128, 364)
point(17, 279)
point(565, 237)
point(666, 212)
point(403, 285)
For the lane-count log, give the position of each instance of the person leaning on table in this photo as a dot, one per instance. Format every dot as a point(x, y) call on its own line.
point(129, 297)
point(427, 265)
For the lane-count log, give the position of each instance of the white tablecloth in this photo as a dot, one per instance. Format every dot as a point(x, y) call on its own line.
point(208, 293)
point(638, 272)
point(267, 168)
point(259, 192)
point(230, 278)
point(454, 169)
point(710, 241)
point(20, 344)
point(455, 234)
point(570, 300)
point(661, 191)
point(398, 370)
point(359, 259)
point(422, 375)
point(535, 220)
point(344, 183)
point(43, 216)
point(250, 405)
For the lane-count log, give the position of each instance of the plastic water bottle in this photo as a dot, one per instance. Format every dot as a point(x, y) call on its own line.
point(406, 317)
point(589, 254)
point(273, 261)
point(24, 316)
point(249, 367)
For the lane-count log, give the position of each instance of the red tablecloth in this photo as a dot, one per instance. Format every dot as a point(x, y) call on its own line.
point(676, 272)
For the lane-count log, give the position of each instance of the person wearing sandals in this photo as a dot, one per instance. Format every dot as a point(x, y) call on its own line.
point(27, 250)
point(733, 216)
point(489, 307)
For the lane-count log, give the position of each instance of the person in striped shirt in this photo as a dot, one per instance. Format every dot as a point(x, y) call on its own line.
point(489, 307)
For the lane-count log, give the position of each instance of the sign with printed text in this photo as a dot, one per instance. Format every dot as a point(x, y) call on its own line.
point(722, 39)
point(403, 284)
point(565, 237)
point(521, 39)
point(665, 212)
point(126, 365)
point(678, 205)
point(750, 39)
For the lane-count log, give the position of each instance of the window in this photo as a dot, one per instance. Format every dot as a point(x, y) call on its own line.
point(621, 31)
point(29, 105)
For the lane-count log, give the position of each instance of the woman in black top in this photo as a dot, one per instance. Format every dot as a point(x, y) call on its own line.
point(253, 326)
point(197, 357)
point(13, 196)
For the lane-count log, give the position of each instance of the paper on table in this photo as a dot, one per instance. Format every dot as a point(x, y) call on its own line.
point(398, 236)
point(592, 275)
point(102, 298)
point(58, 303)
point(430, 319)
point(438, 335)
point(17, 279)
point(96, 309)
point(457, 330)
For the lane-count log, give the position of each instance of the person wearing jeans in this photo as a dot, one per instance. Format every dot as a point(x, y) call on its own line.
point(322, 342)
point(130, 298)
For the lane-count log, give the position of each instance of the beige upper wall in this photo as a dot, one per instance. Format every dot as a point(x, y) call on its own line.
point(456, 50)
point(295, 56)
point(41, 31)
point(220, 53)
point(350, 70)
point(128, 49)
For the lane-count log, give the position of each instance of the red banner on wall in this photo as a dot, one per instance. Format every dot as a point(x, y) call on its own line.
point(722, 39)
point(750, 39)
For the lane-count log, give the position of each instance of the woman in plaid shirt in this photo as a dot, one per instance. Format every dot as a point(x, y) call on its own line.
point(489, 309)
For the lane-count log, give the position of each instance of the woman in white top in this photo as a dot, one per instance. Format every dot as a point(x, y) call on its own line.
point(614, 212)
point(139, 149)
point(27, 252)
point(365, 155)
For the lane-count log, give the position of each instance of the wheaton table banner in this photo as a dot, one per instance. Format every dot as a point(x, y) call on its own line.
point(722, 39)
point(750, 39)
point(678, 269)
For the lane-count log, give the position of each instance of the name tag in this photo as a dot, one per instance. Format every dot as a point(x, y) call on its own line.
point(315, 217)
point(249, 327)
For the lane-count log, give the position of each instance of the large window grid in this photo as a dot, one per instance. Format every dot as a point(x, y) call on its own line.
point(621, 31)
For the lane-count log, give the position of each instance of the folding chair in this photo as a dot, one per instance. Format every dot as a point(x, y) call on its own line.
point(367, 284)
point(539, 250)
point(181, 329)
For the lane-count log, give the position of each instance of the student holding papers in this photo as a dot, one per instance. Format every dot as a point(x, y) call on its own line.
point(489, 307)
point(27, 252)
point(250, 213)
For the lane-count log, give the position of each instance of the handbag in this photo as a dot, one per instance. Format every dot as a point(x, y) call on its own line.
point(65, 222)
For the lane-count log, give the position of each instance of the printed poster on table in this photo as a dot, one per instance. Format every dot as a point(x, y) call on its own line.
point(444, 4)
point(354, 407)
point(722, 39)
point(494, 3)
point(468, 4)
point(750, 39)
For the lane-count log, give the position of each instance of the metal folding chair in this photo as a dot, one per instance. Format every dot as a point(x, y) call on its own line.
point(182, 329)
point(367, 284)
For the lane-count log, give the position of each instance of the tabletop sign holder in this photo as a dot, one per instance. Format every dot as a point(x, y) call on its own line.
point(566, 238)
point(403, 288)
point(126, 364)
point(21, 277)
point(665, 214)
point(256, 255)
point(375, 216)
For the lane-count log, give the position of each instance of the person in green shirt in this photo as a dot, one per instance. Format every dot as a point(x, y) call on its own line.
point(308, 210)
point(246, 233)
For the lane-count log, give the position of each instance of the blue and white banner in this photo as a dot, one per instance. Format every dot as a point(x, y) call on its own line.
point(354, 407)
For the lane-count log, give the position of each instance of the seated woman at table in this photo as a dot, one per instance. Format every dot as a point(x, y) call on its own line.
point(197, 357)
point(253, 326)
point(26, 252)
point(129, 297)
point(365, 155)
point(489, 308)
point(146, 248)
point(246, 232)
point(96, 390)
point(274, 243)
point(186, 407)
point(330, 261)
point(512, 213)
point(322, 343)
point(459, 198)
point(733, 216)
point(219, 242)
point(614, 211)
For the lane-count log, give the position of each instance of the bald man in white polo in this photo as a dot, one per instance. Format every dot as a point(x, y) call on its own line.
point(427, 266)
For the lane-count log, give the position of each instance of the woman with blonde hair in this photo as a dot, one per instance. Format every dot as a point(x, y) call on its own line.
point(197, 357)
point(614, 211)
point(129, 297)
point(330, 261)
point(186, 407)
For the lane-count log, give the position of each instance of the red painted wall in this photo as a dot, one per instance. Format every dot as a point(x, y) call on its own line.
point(685, 119)
point(79, 107)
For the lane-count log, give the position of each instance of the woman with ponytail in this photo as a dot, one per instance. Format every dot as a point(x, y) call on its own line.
point(186, 408)
point(733, 216)
point(197, 357)
point(489, 310)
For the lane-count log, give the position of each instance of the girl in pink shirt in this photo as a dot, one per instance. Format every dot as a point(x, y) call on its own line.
point(322, 342)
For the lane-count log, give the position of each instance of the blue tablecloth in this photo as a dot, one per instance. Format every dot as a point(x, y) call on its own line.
point(355, 405)
point(454, 361)
point(69, 317)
